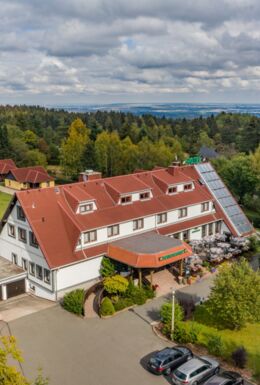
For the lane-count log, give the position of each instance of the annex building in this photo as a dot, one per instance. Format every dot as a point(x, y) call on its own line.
point(59, 235)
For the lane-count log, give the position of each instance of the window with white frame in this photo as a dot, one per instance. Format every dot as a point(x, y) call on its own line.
point(126, 199)
point(172, 190)
point(33, 240)
point(204, 206)
point(161, 218)
point(204, 231)
point(90, 236)
point(22, 235)
point(182, 213)
point(39, 272)
point(112, 230)
point(218, 227)
point(138, 224)
point(14, 259)
point(25, 264)
point(47, 276)
point(187, 187)
point(32, 268)
point(86, 208)
point(211, 229)
point(20, 214)
point(11, 230)
point(144, 195)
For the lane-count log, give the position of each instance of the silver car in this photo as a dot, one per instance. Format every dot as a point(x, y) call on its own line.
point(195, 371)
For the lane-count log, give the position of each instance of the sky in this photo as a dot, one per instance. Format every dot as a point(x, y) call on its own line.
point(136, 51)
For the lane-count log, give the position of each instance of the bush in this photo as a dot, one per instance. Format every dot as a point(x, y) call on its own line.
point(106, 307)
point(122, 303)
point(166, 313)
point(149, 292)
point(115, 284)
point(239, 357)
point(181, 335)
point(74, 301)
point(107, 267)
point(215, 345)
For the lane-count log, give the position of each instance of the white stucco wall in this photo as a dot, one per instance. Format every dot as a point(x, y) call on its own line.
point(72, 275)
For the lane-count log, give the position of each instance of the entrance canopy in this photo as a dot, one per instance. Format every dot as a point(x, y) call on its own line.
point(149, 250)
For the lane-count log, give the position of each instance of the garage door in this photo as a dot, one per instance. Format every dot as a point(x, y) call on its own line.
point(15, 288)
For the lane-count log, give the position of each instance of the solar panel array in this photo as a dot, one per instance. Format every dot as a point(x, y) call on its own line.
point(224, 198)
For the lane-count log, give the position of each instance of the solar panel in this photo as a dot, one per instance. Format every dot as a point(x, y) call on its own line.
point(224, 198)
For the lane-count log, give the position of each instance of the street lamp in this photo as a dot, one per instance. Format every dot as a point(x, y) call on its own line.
point(173, 305)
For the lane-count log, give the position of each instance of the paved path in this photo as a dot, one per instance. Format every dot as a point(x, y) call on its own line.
point(7, 190)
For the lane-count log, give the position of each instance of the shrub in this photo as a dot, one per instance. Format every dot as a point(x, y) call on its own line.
point(74, 301)
point(122, 303)
point(149, 292)
point(107, 267)
point(106, 307)
point(180, 334)
point(115, 284)
point(215, 345)
point(166, 313)
point(239, 357)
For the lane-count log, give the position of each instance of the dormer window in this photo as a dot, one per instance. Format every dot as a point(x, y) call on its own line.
point(144, 196)
point(188, 187)
point(86, 208)
point(126, 199)
point(172, 190)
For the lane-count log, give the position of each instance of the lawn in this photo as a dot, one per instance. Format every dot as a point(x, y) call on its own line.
point(249, 337)
point(4, 201)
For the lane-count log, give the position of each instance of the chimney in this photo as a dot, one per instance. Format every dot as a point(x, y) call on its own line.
point(173, 167)
point(89, 175)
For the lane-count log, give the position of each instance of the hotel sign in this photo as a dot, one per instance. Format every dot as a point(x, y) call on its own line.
point(168, 256)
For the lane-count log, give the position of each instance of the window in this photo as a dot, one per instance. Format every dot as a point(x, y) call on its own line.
point(210, 228)
point(176, 236)
point(218, 227)
point(90, 236)
point(20, 213)
point(22, 235)
point(47, 276)
point(145, 195)
point(14, 259)
point(32, 268)
point(85, 208)
point(187, 187)
point(204, 231)
point(126, 199)
point(38, 272)
point(112, 230)
point(138, 224)
point(11, 230)
point(162, 218)
point(172, 190)
point(183, 212)
point(25, 264)
point(186, 235)
point(33, 240)
point(205, 206)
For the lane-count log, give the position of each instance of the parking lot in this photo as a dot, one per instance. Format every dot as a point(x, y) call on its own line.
point(75, 351)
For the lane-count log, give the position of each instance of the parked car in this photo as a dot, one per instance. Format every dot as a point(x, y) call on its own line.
point(225, 378)
point(165, 360)
point(195, 371)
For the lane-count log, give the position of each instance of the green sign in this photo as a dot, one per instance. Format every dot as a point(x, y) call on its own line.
point(193, 160)
point(195, 230)
point(168, 256)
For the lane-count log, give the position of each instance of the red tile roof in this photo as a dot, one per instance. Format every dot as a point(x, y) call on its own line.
point(6, 165)
point(52, 214)
point(36, 174)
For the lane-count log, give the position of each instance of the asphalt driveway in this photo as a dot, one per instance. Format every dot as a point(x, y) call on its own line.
point(73, 351)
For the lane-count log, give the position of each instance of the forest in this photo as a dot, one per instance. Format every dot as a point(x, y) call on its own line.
point(117, 143)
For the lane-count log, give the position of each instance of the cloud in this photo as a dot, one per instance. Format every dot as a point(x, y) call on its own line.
point(82, 49)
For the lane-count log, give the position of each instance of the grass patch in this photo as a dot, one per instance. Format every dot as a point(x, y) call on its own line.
point(4, 202)
point(249, 337)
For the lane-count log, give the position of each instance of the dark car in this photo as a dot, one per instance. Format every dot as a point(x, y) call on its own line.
point(165, 360)
point(226, 378)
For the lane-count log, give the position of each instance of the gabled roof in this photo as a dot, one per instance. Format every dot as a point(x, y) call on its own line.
point(52, 216)
point(208, 153)
point(36, 174)
point(6, 165)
